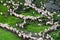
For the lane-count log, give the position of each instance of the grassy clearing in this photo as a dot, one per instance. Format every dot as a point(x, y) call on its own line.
point(3, 9)
point(34, 27)
point(6, 35)
point(56, 17)
point(31, 12)
point(11, 20)
point(28, 12)
point(55, 34)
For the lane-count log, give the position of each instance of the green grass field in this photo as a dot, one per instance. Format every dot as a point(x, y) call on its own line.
point(55, 34)
point(7, 35)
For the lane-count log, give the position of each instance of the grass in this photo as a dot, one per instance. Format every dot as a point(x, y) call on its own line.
point(6, 35)
point(28, 12)
point(56, 17)
point(11, 20)
point(34, 27)
point(55, 34)
point(3, 9)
